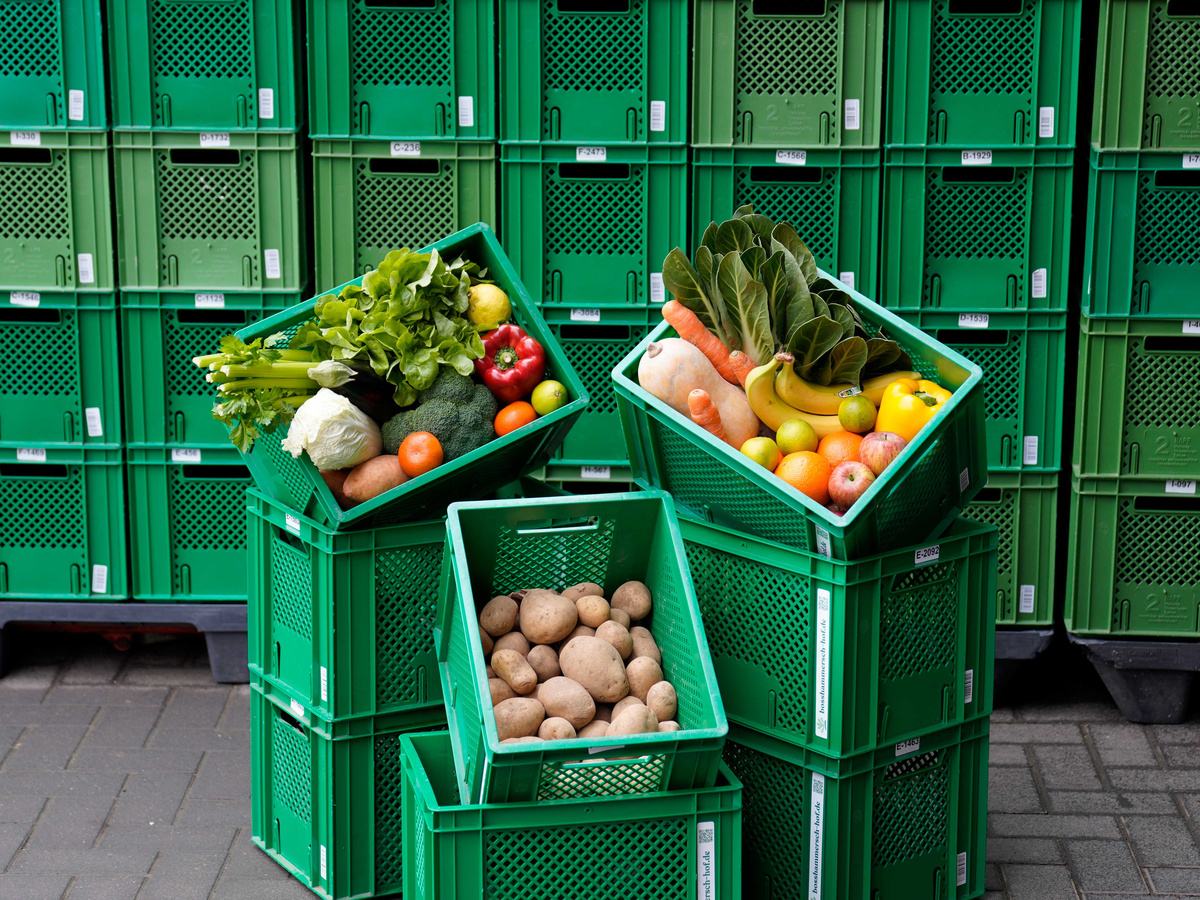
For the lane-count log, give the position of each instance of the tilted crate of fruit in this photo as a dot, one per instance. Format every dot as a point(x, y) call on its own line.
point(857, 433)
point(429, 380)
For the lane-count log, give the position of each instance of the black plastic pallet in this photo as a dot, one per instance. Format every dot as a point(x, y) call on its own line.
point(1150, 680)
point(1015, 649)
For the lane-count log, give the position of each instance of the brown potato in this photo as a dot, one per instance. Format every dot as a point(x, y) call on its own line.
point(617, 635)
point(568, 700)
point(514, 640)
point(577, 631)
point(619, 616)
point(603, 712)
point(544, 661)
point(644, 644)
point(643, 673)
point(335, 480)
point(593, 611)
point(597, 666)
point(593, 729)
point(634, 598)
point(376, 476)
point(512, 668)
point(487, 643)
point(634, 720)
point(556, 729)
point(623, 704)
point(663, 700)
point(498, 616)
point(489, 671)
point(547, 617)
point(583, 589)
point(528, 739)
point(501, 690)
point(669, 725)
point(518, 717)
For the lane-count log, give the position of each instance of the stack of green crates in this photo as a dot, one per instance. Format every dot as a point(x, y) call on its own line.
point(206, 110)
point(978, 172)
point(1135, 511)
point(62, 484)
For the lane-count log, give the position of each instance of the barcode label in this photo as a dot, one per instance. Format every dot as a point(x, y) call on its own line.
point(1040, 277)
point(1030, 455)
point(595, 473)
point(297, 708)
point(658, 292)
point(791, 157)
point(1191, 160)
point(75, 106)
point(658, 115)
point(324, 684)
point(1190, 326)
point(964, 479)
point(406, 148)
point(977, 157)
point(210, 301)
point(591, 154)
point(1046, 121)
point(1028, 596)
point(24, 298)
point(95, 423)
point(291, 523)
point(846, 278)
point(823, 542)
point(821, 661)
point(852, 123)
point(324, 873)
point(585, 315)
point(906, 747)
point(927, 555)
point(271, 259)
point(99, 579)
point(25, 138)
point(210, 139)
point(87, 274)
point(466, 112)
point(706, 860)
point(969, 686)
point(266, 103)
point(816, 834)
point(185, 455)
point(31, 454)
point(973, 320)
point(962, 869)
point(1175, 486)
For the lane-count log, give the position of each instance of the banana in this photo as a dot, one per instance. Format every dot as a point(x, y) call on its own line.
point(767, 405)
point(825, 399)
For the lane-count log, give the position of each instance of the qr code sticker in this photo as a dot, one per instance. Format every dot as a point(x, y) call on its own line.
point(706, 835)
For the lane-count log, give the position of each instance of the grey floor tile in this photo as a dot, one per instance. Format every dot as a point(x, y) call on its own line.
point(1122, 744)
point(1066, 768)
point(150, 798)
point(1013, 791)
point(1038, 883)
point(34, 887)
point(1163, 841)
point(122, 726)
point(105, 887)
point(1030, 851)
point(1175, 881)
point(224, 775)
point(45, 747)
point(1105, 866)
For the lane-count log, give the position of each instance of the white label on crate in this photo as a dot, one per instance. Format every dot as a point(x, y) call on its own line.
point(33, 298)
point(585, 315)
point(25, 138)
point(706, 860)
point(271, 259)
point(95, 423)
point(977, 157)
point(1191, 160)
point(964, 479)
point(291, 523)
point(1041, 278)
point(210, 301)
point(658, 115)
point(75, 106)
point(591, 154)
point(99, 579)
point(324, 684)
point(297, 708)
point(791, 157)
point(185, 455)
point(658, 291)
point(1190, 326)
point(406, 148)
point(969, 686)
point(823, 542)
point(1030, 455)
point(846, 278)
point(211, 139)
point(973, 320)
point(852, 122)
point(1175, 486)
point(87, 274)
point(927, 555)
point(821, 661)
point(31, 454)
point(266, 103)
point(466, 112)
point(1028, 596)
point(324, 873)
point(595, 473)
point(816, 834)
point(962, 869)
point(1046, 121)
point(906, 747)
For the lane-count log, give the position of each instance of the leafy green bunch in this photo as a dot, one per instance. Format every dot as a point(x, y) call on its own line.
point(756, 287)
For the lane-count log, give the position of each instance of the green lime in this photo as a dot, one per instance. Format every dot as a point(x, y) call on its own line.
point(857, 414)
point(796, 436)
point(488, 306)
point(548, 396)
point(763, 451)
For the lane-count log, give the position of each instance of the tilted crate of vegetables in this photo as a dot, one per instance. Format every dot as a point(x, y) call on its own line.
point(775, 400)
point(429, 380)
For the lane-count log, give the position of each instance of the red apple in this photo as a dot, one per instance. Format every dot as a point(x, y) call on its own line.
point(848, 482)
point(835, 509)
point(879, 449)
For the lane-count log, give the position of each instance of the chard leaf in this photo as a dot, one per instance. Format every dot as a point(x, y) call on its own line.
point(746, 302)
point(844, 317)
point(820, 306)
point(734, 236)
point(774, 280)
point(687, 286)
point(843, 363)
point(753, 260)
point(762, 227)
point(884, 355)
point(706, 266)
point(784, 236)
point(812, 340)
point(800, 308)
point(709, 238)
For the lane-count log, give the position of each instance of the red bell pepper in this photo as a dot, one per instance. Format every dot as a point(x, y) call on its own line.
point(513, 363)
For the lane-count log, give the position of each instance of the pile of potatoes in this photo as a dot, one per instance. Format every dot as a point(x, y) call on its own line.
point(575, 664)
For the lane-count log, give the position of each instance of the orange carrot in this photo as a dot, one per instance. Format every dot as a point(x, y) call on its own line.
point(742, 365)
point(692, 330)
point(705, 413)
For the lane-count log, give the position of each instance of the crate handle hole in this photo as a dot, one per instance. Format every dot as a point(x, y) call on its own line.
point(595, 332)
point(989, 495)
point(591, 524)
point(36, 470)
point(785, 8)
point(210, 473)
point(211, 317)
point(401, 4)
point(978, 175)
point(1177, 178)
point(290, 720)
point(595, 171)
point(786, 174)
point(1162, 343)
point(31, 316)
point(971, 337)
point(26, 156)
point(194, 156)
point(1183, 8)
point(383, 165)
point(1167, 504)
point(986, 7)
point(593, 6)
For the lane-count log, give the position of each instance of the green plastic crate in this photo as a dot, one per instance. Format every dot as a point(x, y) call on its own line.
point(841, 657)
point(415, 71)
point(205, 65)
point(671, 844)
point(902, 823)
point(831, 197)
point(60, 370)
point(298, 484)
point(371, 197)
point(1132, 417)
point(1004, 75)
point(976, 236)
point(57, 233)
point(554, 542)
point(594, 73)
point(592, 234)
point(62, 536)
point(1147, 81)
point(774, 74)
point(1136, 261)
point(1132, 568)
point(923, 490)
point(1024, 508)
point(601, 479)
point(201, 212)
point(188, 537)
point(1023, 358)
point(328, 810)
point(53, 73)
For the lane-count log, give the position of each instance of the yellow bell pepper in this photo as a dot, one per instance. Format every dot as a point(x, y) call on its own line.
point(908, 404)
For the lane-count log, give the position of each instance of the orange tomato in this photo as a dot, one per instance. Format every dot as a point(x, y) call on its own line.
point(514, 416)
point(419, 453)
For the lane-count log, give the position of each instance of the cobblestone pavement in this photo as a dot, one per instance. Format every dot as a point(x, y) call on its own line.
point(127, 775)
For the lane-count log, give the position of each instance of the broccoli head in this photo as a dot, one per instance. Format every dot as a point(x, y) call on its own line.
point(455, 410)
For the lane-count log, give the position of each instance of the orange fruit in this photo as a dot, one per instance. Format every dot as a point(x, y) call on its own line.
point(514, 416)
point(808, 473)
point(419, 453)
point(840, 447)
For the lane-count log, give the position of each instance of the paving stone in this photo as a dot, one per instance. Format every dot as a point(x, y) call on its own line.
point(105, 887)
point(991, 878)
point(35, 887)
point(106, 695)
point(1175, 881)
point(1163, 841)
point(223, 775)
point(197, 675)
point(33, 783)
point(1187, 733)
point(122, 726)
point(71, 823)
point(214, 812)
point(34, 679)
point(1027, 733)
point(1066, 768)
point(83, 862)
point(1007, 755)
point(99, 667)
point(1002, 714)
point(150, 798)
point(255, 889)
point(237, 708)
point(45, 747)
point(192, 707)
point(247, 861)
point(1122, 745)
point(1097, 711)
point(21, 809)
point(12, 837)
point(38, 714)
point(1020, 825)
point(214, 839)
point(1023, 850)
point(1013, 791)
point(1182, 781)
point(202, 738)
point(1182, 756)
point(1038, 883)
point(1105, 866)
point(180, 874)
point(138, 759)
point(1110, 802)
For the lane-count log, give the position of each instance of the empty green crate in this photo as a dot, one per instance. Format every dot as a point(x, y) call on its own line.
point(665, 845)
point(1024, 508)
point(188, 536)
point(772, 74)
point(1136, 410)
point(343, 623)
point(603, 73)
point(329, 810)
point(200, 212)
point(593, 234)
point(1132, 566)
point(905, 822)
point(53, 73)
point(62, 536)
point(845, 657)
point(205, 65)
point(1023, 358)
point(1137, 260)
point(1001, 74)
point(830, 197)
point(57, 233)
point(1147, 81)
point(553, 542)
point(417, 71)
point(167, 399)
point(60, 371)
point(595, 341)
point(371, 197)
point(976, 230)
